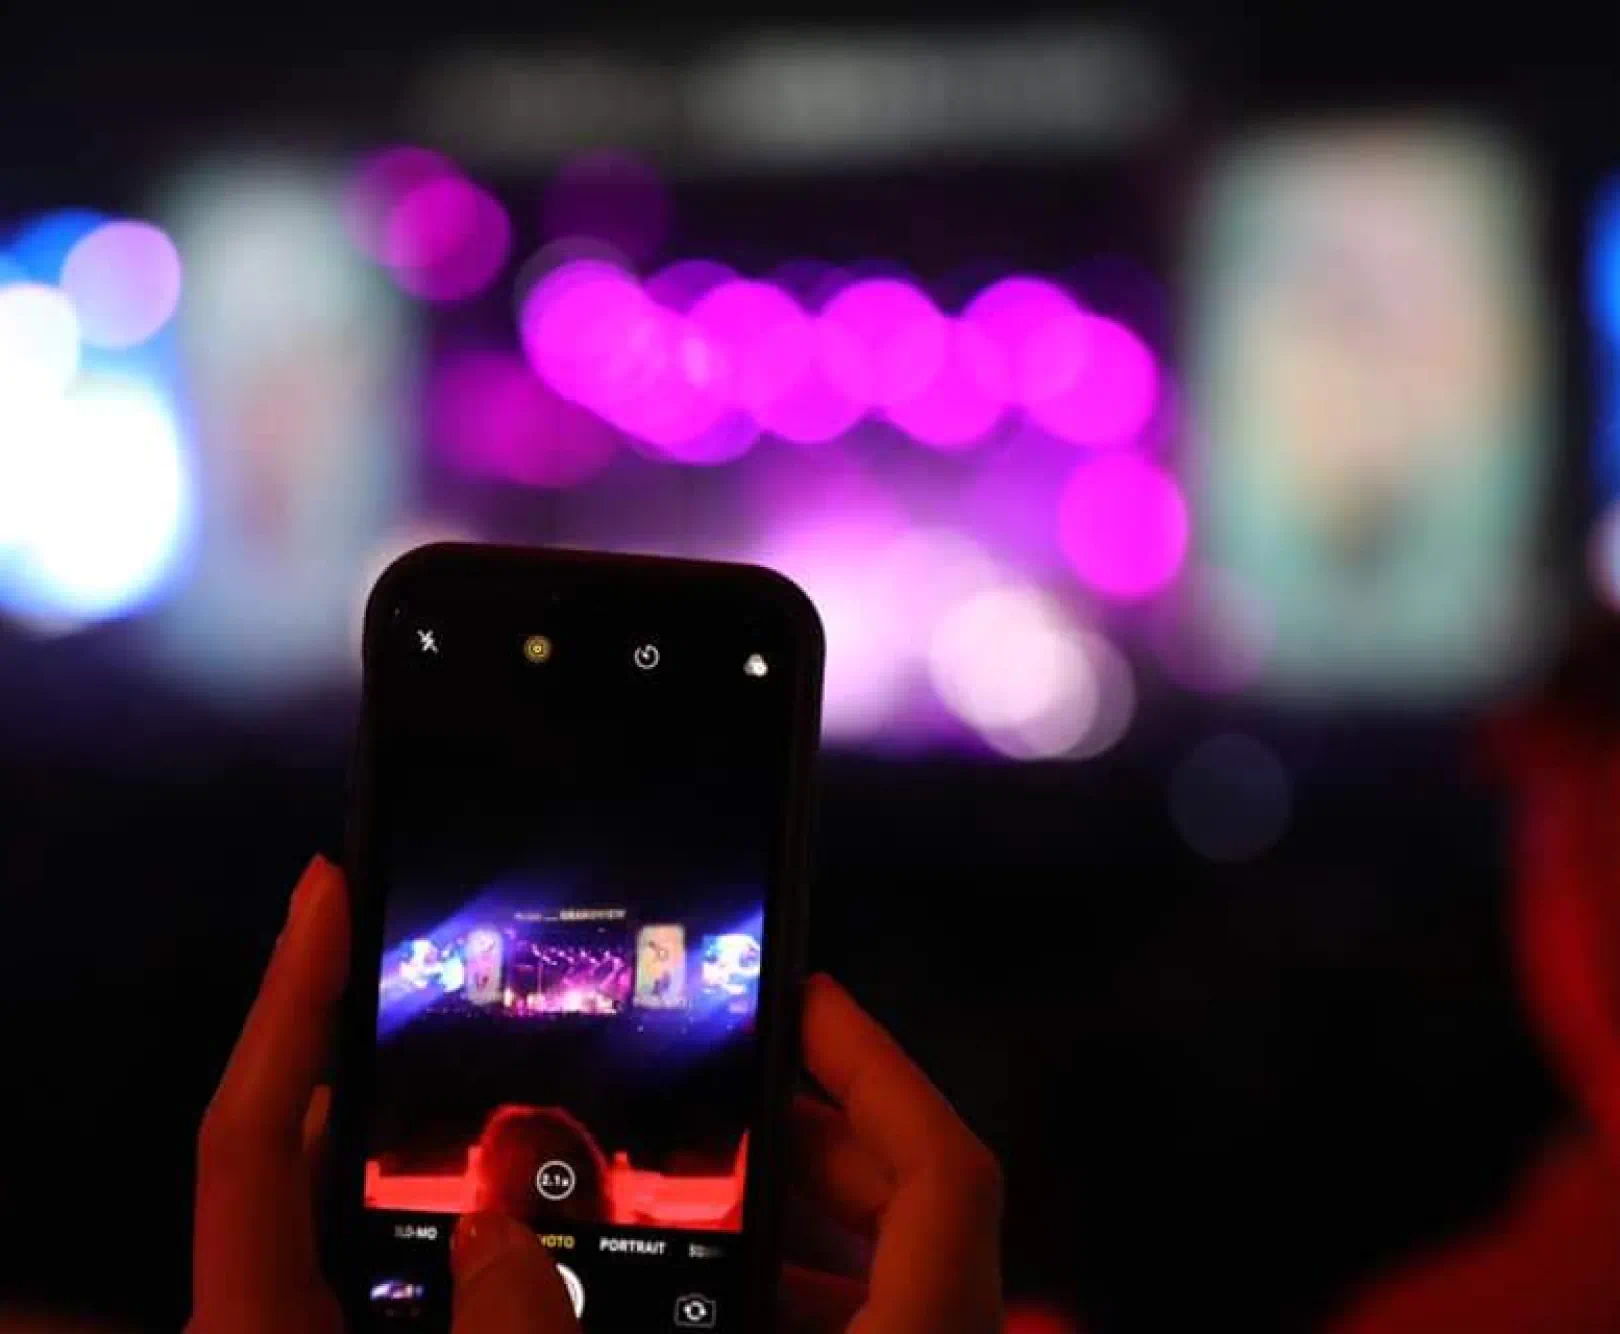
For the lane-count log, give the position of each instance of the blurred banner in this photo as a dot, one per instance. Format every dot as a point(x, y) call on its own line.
point(1369, 361)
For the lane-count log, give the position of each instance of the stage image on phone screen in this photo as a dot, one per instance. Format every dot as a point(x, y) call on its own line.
point(575, 861)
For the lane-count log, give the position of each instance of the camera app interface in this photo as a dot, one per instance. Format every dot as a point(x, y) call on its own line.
point(575, 849)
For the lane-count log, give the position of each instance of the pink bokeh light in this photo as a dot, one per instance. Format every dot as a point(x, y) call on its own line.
point(695, 363)
point(488, 416)
point(446, 239)
point(378, 186)
point(1101, 383)
point(124, 282)
point(576, 325)
point(1022, 320)
point(882, 342)
point(1124, 527)
point(955, 410)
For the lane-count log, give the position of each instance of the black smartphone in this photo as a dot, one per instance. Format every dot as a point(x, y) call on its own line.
point(577, 870)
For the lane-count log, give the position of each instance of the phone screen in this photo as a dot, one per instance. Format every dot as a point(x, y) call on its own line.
point(580, 810)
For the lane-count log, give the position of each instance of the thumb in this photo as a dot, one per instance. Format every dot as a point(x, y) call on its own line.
point(505, 1283)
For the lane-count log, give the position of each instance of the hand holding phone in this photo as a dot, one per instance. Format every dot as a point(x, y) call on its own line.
point(574, 920)
point(886, 1156)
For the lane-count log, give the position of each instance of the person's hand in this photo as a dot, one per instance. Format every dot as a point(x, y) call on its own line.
point(892, 1161)
point(889, 1159)
point(254, 1264)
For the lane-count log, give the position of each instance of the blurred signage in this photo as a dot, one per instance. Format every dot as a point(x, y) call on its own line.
point(1370, 358)
point(811, 98)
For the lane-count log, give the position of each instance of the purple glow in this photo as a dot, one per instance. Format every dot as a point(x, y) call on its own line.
point(1110, 382)
point(955, 410)
point(611, 196)
point(681, 285)
point(1022, 320)
point(696, 362)
point(761, 338)
point(378, 187)
point(573, 325)
point(675, 398)
point(882, 342)
point(1124, 526)
point(767, 348)
point(124, 281)
point(491, 417)
point(446, 239)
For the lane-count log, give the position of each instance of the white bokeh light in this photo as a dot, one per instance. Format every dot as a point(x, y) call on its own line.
point(99, 502)
point(39, 341)
point(1009, 663)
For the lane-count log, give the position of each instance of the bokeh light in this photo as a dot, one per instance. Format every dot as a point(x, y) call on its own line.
point(1124, 526)
point(446, 239)
point(104, 504)
point(39, 340)
point(1605, 264)
point(882, 342)
point(378, 186)
point(489, 416)
point(1099, 382)
point(1116, 699)
point(1230, 798)
point(612, 196)
point(1010, 665)
point(956, 408)
point(124, 281)
point(1024, 321)
point(42, 245)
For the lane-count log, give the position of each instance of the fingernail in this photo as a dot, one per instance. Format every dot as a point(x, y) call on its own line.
point(481, 1239)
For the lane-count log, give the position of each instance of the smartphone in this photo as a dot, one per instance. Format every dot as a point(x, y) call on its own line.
point(577, 869)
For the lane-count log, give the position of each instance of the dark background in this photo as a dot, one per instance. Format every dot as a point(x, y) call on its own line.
point(1216, 1091)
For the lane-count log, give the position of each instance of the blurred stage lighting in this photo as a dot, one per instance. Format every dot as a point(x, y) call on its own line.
point(1124, 527)
point(446, 239)
point(42, 245)
point(376, 187)
point(1014, 669)
point(39, 341)
point(491, 417)
point(124, 282)
point(1230, 798)
point(98, 503)
point(696, 362)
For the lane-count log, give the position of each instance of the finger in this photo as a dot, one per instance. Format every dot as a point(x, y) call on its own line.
point(894, 1111)
point(254, 1253)
point(834, 1169)
point(505, 1282)
point(936, 1268)
point(315, 1138)
point(811, 1302)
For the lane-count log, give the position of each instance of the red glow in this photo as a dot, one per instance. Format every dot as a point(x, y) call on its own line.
point(647, 1199)
point(1036, 1319)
